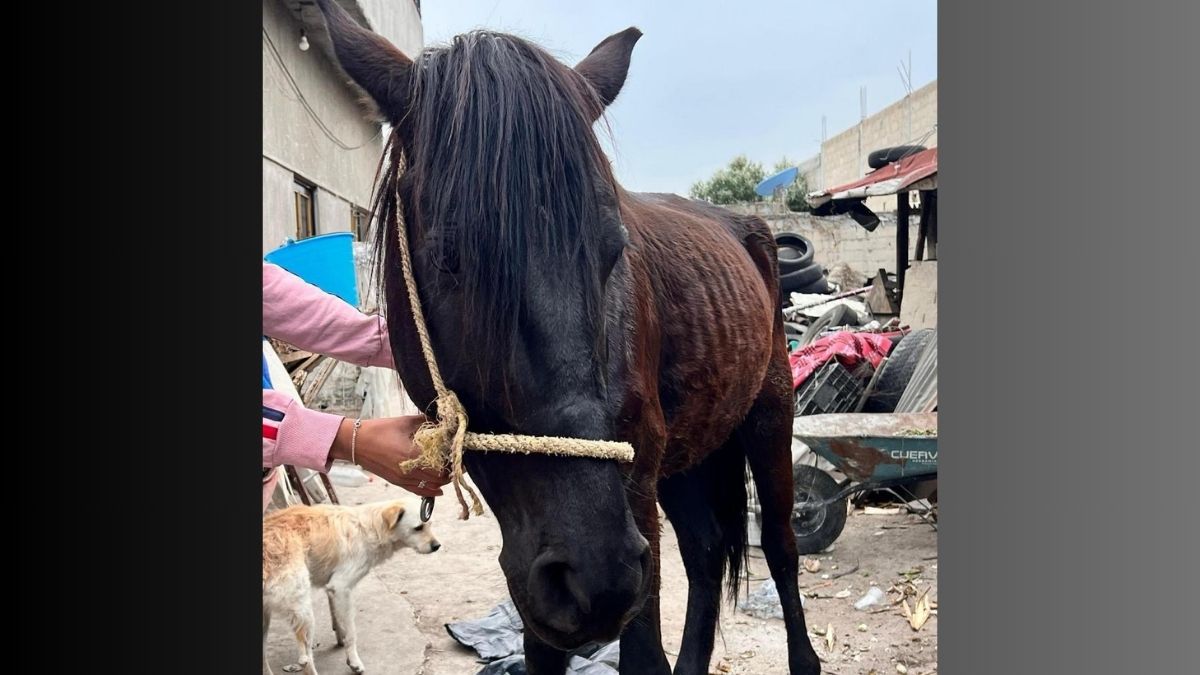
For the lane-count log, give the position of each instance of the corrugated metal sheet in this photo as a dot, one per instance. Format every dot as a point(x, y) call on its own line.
point(915, 172)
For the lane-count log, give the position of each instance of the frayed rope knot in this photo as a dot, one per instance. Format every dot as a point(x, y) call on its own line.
point(441, 449)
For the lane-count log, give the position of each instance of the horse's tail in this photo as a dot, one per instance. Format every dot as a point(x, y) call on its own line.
point(731, 509)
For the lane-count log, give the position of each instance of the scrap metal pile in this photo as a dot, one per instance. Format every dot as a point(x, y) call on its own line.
point(845, 345)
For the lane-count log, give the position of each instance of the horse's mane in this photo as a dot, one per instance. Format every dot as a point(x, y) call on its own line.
point(499, 171)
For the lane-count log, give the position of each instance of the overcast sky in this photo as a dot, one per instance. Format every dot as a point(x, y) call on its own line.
point(710, 80)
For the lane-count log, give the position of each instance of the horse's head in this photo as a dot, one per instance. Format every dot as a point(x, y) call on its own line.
point(513, 217)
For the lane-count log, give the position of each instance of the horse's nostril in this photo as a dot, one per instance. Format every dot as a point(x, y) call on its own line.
point(555, 589)
point(590, 592)
point(562, 585)
point(582, 599)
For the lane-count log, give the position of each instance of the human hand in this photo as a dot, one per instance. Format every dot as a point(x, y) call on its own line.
point(382, 445)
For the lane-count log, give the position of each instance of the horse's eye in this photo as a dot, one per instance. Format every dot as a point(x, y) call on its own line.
point(445, 254)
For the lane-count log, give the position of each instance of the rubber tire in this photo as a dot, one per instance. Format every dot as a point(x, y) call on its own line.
point(788, 257)
point(897, 372)
point(818, 287)
point(796, 242)
point(834, 316)
point(926, 489)
point(801, 278)
point(787, 264)
point(793, 332)
point(885, 156)
point(817, 530)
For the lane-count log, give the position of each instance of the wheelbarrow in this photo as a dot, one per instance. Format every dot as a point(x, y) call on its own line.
point(873, 450)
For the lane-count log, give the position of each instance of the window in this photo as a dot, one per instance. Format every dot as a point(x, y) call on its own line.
point(306, 211)
point(360, 223)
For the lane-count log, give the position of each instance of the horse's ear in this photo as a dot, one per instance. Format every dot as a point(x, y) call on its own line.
point(608, 64)
point(371, 61)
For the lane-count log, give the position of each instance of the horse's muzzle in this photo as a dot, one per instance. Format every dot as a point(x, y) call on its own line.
point(585, 596)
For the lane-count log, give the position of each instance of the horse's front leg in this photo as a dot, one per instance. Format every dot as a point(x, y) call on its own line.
point(641, 641)
point(541, 658)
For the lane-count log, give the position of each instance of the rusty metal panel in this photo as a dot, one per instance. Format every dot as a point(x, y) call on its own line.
point(873, 446)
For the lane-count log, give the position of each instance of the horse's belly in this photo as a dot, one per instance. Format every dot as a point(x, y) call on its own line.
point(717, 354)
point(715, 316)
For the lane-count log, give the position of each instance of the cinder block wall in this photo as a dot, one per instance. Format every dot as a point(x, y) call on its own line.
point(900, 123)
point(838, 239)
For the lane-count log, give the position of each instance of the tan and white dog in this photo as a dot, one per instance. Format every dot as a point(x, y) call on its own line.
point(331, 547)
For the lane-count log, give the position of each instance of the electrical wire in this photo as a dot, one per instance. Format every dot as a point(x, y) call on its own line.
point(308, 106)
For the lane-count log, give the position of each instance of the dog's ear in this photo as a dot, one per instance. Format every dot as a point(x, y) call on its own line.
point(392, 515)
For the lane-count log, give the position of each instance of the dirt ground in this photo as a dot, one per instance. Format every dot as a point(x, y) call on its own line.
point(404, 604)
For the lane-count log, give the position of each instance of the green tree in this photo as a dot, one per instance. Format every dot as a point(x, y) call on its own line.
point(794, 195)
point(735, 183)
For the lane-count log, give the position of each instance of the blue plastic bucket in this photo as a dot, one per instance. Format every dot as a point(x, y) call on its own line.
point(325, 261)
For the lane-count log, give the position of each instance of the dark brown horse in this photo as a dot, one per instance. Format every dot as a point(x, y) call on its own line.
point(559, 304)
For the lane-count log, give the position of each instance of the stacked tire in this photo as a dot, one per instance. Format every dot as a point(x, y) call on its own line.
point(897, 371)
point(798, 273)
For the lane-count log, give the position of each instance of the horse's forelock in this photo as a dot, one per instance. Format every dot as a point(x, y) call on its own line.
point(502, 171)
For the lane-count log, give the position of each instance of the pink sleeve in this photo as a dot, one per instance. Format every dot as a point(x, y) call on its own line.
point(295, 435)
point(303, 315)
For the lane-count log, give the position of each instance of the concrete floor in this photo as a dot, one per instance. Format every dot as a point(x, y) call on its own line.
point(403, 605)
point(388, 638)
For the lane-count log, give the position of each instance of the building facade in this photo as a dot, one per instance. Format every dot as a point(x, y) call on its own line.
point(321, 141)
point(321, 147)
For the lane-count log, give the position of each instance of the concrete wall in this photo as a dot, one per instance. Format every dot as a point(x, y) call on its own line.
point(278, 205)
point(333, 213)
point(838, 239)
point(843, 157)
point(294, 144)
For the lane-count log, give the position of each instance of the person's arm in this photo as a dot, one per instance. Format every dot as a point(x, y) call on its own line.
point(307, 317)
point(295, 435)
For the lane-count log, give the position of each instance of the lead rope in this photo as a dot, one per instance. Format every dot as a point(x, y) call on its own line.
point(441, 443)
